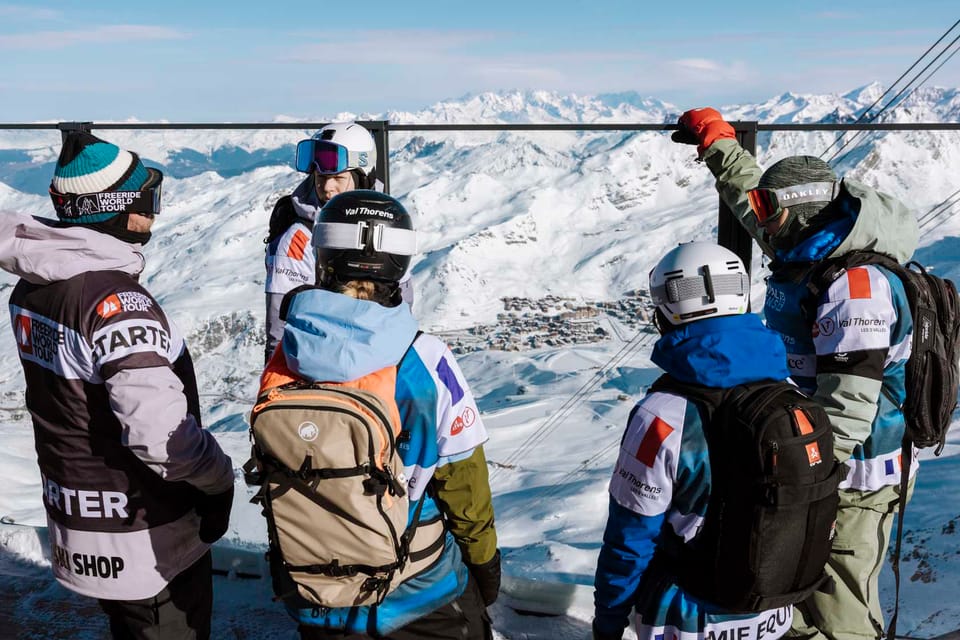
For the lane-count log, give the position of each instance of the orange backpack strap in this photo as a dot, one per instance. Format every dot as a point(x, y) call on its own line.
point(276, 373)
point(383, 383)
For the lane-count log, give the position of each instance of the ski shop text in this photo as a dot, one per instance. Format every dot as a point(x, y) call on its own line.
point(85, 564)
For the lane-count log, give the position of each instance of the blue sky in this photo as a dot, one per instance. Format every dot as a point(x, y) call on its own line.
point(208, 60)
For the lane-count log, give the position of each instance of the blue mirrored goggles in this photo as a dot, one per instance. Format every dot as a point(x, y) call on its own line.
point(328, 158)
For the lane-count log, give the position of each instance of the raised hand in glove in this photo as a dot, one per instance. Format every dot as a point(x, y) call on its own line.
point(487, 576)
point(214, 512)
point(702, 127)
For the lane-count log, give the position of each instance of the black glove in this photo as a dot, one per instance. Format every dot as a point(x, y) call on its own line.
point(599, 635)
point(487, 577)
point(214, 512)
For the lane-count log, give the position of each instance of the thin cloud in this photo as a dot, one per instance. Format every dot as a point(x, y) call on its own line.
point(387, 46)
point(838, 15)
point(697, 64)
point(702, 70)
point(108, 35)
point(23, 12)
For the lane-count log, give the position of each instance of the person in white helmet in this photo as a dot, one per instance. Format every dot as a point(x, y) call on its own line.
point(661, 483)
point(340, 157)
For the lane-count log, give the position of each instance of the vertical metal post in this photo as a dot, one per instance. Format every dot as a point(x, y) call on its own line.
point(378, 129)
point(730, 233)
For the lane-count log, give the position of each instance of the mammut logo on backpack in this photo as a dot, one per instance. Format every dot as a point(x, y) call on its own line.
point(334, 492)
point(308, 431)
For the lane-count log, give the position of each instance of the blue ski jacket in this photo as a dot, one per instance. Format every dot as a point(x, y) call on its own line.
point(661, 485)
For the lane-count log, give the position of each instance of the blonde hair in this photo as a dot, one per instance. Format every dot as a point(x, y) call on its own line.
point(359, 289)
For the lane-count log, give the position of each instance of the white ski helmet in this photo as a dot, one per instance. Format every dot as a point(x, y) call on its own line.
point(699, 280)
point(361, 148)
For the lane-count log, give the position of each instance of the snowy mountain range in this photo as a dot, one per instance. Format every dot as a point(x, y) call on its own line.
point(559, 219)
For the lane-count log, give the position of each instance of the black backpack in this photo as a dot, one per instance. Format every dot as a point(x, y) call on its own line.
point(932, 375)
point(771, 517)
point(932, 372)
point(282, 216)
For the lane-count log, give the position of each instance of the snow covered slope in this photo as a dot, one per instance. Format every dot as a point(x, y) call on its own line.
point(562, 220)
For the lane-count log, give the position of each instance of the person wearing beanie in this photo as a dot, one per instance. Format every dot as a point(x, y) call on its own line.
point(340, 157)
point(134, 488)
point(851, 356)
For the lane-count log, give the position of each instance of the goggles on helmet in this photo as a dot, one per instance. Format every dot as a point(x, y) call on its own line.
point(75, 206)
point(364, 235)
point(328, 158)
point(707, 286)
point(768, 203)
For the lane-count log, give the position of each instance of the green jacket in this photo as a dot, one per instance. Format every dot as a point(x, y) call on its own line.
point(859, 393)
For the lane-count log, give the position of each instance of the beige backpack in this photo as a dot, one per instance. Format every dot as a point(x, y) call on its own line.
point(332, 487)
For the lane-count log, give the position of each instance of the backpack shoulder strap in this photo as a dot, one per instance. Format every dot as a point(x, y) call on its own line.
point(282, 216)
point(823, 273)
point(706, 399)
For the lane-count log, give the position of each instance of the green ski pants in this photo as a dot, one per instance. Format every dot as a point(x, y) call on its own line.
point(852, 612)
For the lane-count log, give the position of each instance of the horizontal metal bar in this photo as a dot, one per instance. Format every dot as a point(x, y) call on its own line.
point(582, 126)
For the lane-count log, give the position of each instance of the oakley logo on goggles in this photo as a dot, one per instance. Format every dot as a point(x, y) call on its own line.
point(328, 158)
point(365, 235)
point(106, 204)
point(768, 203)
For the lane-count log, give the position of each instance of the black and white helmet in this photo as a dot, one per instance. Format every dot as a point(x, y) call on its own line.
point(699, 280)
point(363, 235)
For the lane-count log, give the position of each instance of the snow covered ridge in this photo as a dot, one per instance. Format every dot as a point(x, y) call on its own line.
point(531, 216)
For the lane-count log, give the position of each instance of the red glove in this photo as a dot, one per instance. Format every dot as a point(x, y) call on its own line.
point(702, 127)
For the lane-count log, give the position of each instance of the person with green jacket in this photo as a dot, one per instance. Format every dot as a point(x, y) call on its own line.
point(851, 355)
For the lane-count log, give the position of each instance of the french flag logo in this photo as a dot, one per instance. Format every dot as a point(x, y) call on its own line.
point(653, 439)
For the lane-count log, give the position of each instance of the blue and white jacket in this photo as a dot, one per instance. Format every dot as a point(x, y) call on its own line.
point(333, 337)
point(661, 485)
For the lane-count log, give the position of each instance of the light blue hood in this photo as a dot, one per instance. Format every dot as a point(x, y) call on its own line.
point(331, 337)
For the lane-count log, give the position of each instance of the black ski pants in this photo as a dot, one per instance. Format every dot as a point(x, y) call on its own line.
point(463, 619)
point(180, 612)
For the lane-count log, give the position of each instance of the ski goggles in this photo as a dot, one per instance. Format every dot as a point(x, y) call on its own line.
point(365, 235)
point(328, 158)
point(93, 207)
point(707, 286)
point(768, 203)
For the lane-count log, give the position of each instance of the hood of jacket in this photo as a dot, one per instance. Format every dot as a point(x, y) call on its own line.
point(722, 352)
point(331, 337)
point(883, 224)
point(42, 251)
point(306, 202)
